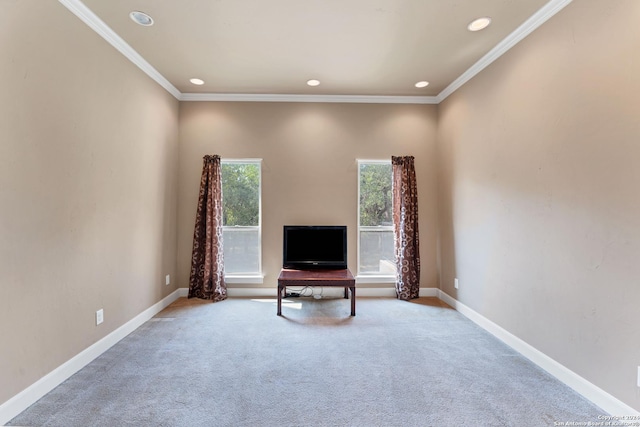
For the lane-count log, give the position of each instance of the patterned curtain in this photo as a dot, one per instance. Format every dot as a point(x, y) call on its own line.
point(207, 265)
point(405, 228)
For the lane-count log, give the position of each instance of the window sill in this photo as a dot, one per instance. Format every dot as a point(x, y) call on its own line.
point(366, 278)
point(244, 278)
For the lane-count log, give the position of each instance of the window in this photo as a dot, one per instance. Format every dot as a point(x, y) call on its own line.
point(376, 256)
point(241, 217)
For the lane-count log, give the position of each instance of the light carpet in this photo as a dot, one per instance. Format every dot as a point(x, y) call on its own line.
point(235, 363)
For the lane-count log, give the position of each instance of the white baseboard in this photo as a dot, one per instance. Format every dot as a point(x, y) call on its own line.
point(590, 391)
point(429, 292)
point(21, 401)
point(360, 292)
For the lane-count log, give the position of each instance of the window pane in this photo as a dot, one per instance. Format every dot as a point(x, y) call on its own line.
point(375, 241)
point(241, 216)
point(375, 194)
point(377, 252)
point(241, 249)
point(240, 198)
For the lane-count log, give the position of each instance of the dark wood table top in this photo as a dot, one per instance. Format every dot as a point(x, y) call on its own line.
point(316, 275)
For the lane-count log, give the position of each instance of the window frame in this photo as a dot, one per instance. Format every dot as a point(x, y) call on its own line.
point(371, 277)
point(248, 277)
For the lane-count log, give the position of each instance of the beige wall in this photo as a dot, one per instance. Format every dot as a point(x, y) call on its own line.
point(540, 192)
point(88, 173)
point(309, 173)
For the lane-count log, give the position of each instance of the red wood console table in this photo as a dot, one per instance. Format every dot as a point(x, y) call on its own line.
point(341, 278)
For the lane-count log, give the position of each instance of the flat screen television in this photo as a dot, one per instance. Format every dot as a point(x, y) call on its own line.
point(310, 247)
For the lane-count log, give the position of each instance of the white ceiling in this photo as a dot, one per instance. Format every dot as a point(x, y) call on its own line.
point(354, 47)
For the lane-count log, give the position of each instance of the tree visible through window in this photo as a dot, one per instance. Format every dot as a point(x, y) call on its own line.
point(241, 216)
point(375, 225)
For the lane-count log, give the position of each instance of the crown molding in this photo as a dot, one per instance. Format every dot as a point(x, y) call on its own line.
point(358, 99)
point(94, 22)
point(98, 25)
point(537, 19)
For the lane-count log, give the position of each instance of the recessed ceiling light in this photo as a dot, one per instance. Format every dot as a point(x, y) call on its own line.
point(422, 84)
point(141, 18)
point(313, 82)
point(198, 82)
point(479, 24)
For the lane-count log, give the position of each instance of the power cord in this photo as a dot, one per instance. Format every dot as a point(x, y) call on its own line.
point(306, 291)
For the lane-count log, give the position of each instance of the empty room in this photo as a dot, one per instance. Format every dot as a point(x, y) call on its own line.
point(508, 132)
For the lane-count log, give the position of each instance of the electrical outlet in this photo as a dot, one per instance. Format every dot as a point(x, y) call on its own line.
point(99, 317)
point(167, 279)
point(455, 283)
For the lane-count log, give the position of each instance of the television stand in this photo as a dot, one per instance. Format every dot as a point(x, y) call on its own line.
point(340, 278)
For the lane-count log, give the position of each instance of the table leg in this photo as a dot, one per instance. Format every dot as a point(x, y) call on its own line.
point(279, 299)
point(353, 300)
point(346, 292)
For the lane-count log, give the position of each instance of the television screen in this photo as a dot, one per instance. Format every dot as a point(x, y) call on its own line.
point(308, 247)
